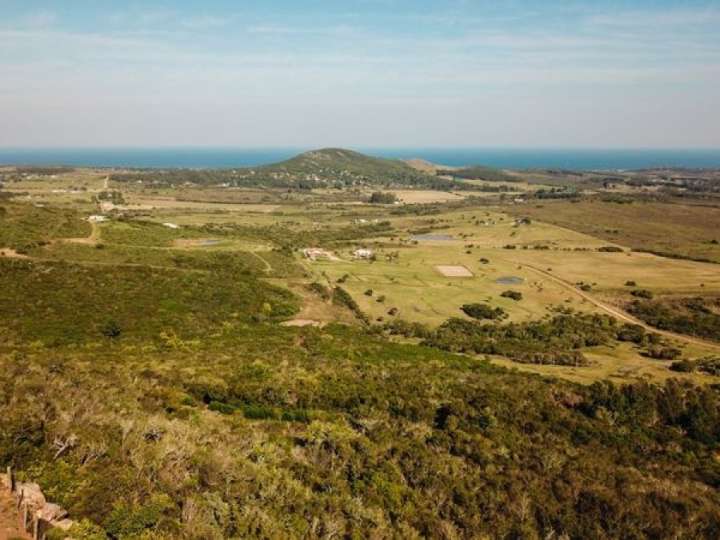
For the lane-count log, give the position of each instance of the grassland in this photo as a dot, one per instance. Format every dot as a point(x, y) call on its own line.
point(682, 229)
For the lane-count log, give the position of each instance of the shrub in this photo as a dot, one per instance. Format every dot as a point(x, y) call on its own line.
point(483, 311)
point(513, 295)
point(111, 329)
point(369, 292)
point(642, 293)
point(380, 197)
point(709, 366)
point(610, 249)
point(630, 283)
point(259, 412)
point(321, 290)
point(222, 408)
point(683, 366)
point(631, 332)
point(130, 520)
point(663, 353)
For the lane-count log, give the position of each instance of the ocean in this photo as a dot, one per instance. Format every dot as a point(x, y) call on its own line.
point(578, 159)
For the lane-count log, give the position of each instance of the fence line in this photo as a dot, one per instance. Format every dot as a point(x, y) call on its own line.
point(38, 517)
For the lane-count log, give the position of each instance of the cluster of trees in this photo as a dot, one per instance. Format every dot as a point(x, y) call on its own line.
point(478, 172)
point(709, 366)
point(557, 193)
point(692, 316)
point(558, 340)
point(383, 197)
point(513, 295)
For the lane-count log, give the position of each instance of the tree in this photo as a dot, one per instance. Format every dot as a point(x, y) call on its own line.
point(383, 197)
point(513, 295)
point(483, 311)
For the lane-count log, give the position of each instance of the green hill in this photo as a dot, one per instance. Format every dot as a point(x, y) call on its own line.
point(337, 167)
point(328, 167)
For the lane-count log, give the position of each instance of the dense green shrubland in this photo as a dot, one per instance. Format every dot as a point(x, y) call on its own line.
point(274, 432)
point(60, 303)
point(23, 226)
point(692, 316)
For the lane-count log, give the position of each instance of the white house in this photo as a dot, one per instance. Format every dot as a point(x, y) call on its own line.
point(363, 253)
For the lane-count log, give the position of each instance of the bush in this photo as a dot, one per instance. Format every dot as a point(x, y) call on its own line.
point(513, 295)
point(663, 353)
point(222, 408)
point(610, 249)
point(709, 366)
point(630, 283)
point(259, 412)
point(380, 197)
point(483, 311)
point(631, 332)
point(111, 329)
point(642, 293)
point(321, 290)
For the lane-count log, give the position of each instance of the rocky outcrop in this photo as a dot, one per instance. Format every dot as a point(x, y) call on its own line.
point(37, 515)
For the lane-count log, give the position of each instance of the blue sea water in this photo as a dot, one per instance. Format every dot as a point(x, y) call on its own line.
point(578, 159)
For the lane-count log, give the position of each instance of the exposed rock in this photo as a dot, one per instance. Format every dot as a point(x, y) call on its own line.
point(63, 524)
point(51, 512)
point(32, 495)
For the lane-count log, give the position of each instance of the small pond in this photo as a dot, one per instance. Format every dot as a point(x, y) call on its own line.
point(509, 280)
point(432, 237)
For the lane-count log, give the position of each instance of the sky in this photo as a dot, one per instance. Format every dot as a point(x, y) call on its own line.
point(372, 73)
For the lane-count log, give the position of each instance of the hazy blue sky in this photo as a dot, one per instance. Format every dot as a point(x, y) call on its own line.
point(360, 73)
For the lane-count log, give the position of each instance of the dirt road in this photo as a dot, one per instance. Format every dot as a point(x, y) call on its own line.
point(9, 518)
point(617, 312)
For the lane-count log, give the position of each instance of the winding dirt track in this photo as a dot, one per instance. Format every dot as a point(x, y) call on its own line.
point(617, 312)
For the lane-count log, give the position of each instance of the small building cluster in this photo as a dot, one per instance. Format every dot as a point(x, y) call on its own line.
point(314, 254)
point(363, 253)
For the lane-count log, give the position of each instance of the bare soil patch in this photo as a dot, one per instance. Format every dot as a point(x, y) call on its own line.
point(301, 322)
point(12, 254)
point(196, 242)
point(454, 271)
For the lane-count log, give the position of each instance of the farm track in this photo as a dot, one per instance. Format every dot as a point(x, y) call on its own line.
point(9, 518)
point(617, 312)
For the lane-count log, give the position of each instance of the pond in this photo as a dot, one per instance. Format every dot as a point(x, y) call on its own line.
point(509, 280)
point(432, 237)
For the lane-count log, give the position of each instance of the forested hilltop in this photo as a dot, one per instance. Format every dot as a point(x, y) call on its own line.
point(326, 168)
